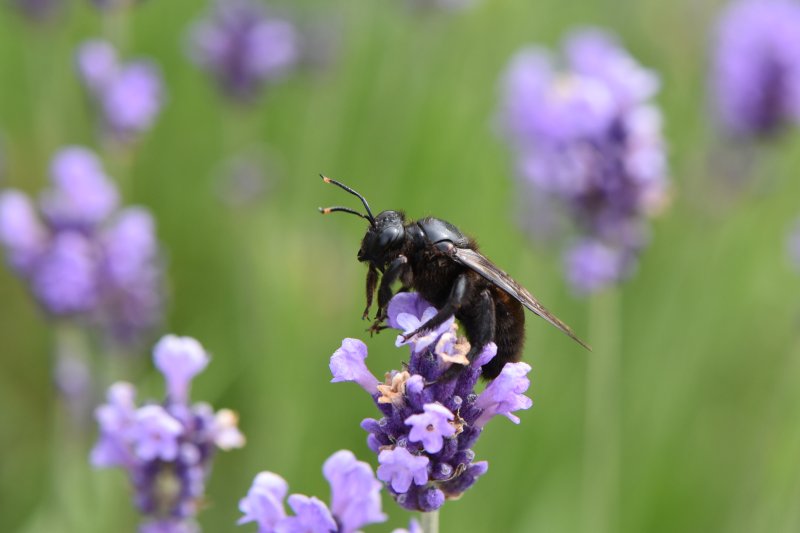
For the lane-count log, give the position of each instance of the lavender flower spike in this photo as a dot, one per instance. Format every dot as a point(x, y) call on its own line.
point(166, 449)
point(756, 67)
point(244, 47)
point(128, 96)
point(588, 137)
point(81, 256)
point(429, 423)
point(355, 501)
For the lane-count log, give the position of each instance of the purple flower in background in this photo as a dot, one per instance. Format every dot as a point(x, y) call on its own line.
point(355, 500)
point(588, 137)
point(82, 257)
point(244, 47)
point(756, 66)
point(38, 10)
point(166, 449)
point(128, 96)
point(430, 423)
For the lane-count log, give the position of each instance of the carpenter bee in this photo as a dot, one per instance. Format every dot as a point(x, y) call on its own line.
point(434, 258)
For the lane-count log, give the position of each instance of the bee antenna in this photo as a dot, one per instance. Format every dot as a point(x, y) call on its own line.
point(369, 215)
point(327, 210)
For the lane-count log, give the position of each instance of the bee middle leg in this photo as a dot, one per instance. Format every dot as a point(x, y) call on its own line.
point(458, 296)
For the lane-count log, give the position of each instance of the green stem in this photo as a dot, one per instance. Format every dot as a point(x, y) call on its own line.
point(601, 484)
point(430, 522)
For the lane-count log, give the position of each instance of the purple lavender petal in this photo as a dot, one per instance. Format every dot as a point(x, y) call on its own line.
point(116, 419)
point(264, 501)
point(431, 427)
point(82, 195)
point(97, 64)
point(410, 323)
point(347, 364)
point(21, 232)
point(355, 493)
point(65, 280)
point(311, 516)
point(405, 302)
point(155, 434)
point(179, 359)
point(505, 394)
point(592, 266)
point(398, 467)
point(133, 100)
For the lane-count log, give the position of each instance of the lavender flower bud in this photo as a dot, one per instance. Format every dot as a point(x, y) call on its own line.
point(21, 232)
point(179, 359)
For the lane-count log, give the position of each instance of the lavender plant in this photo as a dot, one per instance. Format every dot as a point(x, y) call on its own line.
point(83, 257)
point(756, 67)
point(244, 47)
point(166, 448)
point(355, 500)
point(127, 96)
point(429, 424)
point(589, 138)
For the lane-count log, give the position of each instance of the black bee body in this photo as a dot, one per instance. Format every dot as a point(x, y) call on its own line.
point(434, 258)
point(486, 312)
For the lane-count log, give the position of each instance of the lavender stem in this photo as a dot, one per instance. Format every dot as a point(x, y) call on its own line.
point(602, 429)
point(430, 522)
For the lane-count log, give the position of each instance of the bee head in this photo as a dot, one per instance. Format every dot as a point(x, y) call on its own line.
point(385, 235)
point(384, 239)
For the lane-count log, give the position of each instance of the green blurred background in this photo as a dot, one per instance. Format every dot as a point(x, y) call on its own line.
point(701, 398)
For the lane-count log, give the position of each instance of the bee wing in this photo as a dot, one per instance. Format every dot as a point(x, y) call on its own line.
point(480, 264)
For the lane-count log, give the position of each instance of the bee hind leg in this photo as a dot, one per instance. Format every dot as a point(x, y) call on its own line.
point(480, 325)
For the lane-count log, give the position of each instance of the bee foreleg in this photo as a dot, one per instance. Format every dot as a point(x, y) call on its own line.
point(458, 295)
point(393, 272)
point(372, 282)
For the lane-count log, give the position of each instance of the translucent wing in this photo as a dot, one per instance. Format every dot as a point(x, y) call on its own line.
point(480, 264)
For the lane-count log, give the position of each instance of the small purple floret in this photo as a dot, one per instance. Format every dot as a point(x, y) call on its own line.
point(347, 364)
point(399, 468)
point(504, 394)
point(431, 427)
point(179, 359)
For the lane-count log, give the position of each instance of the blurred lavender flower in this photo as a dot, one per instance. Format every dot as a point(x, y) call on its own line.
point(166, 449)
point(355, 500)
point(83, 258)
point(756, 74)
point(38, 10)
point(128, 96)
point(429, 425)
point(589, 138)
point(244, 47)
